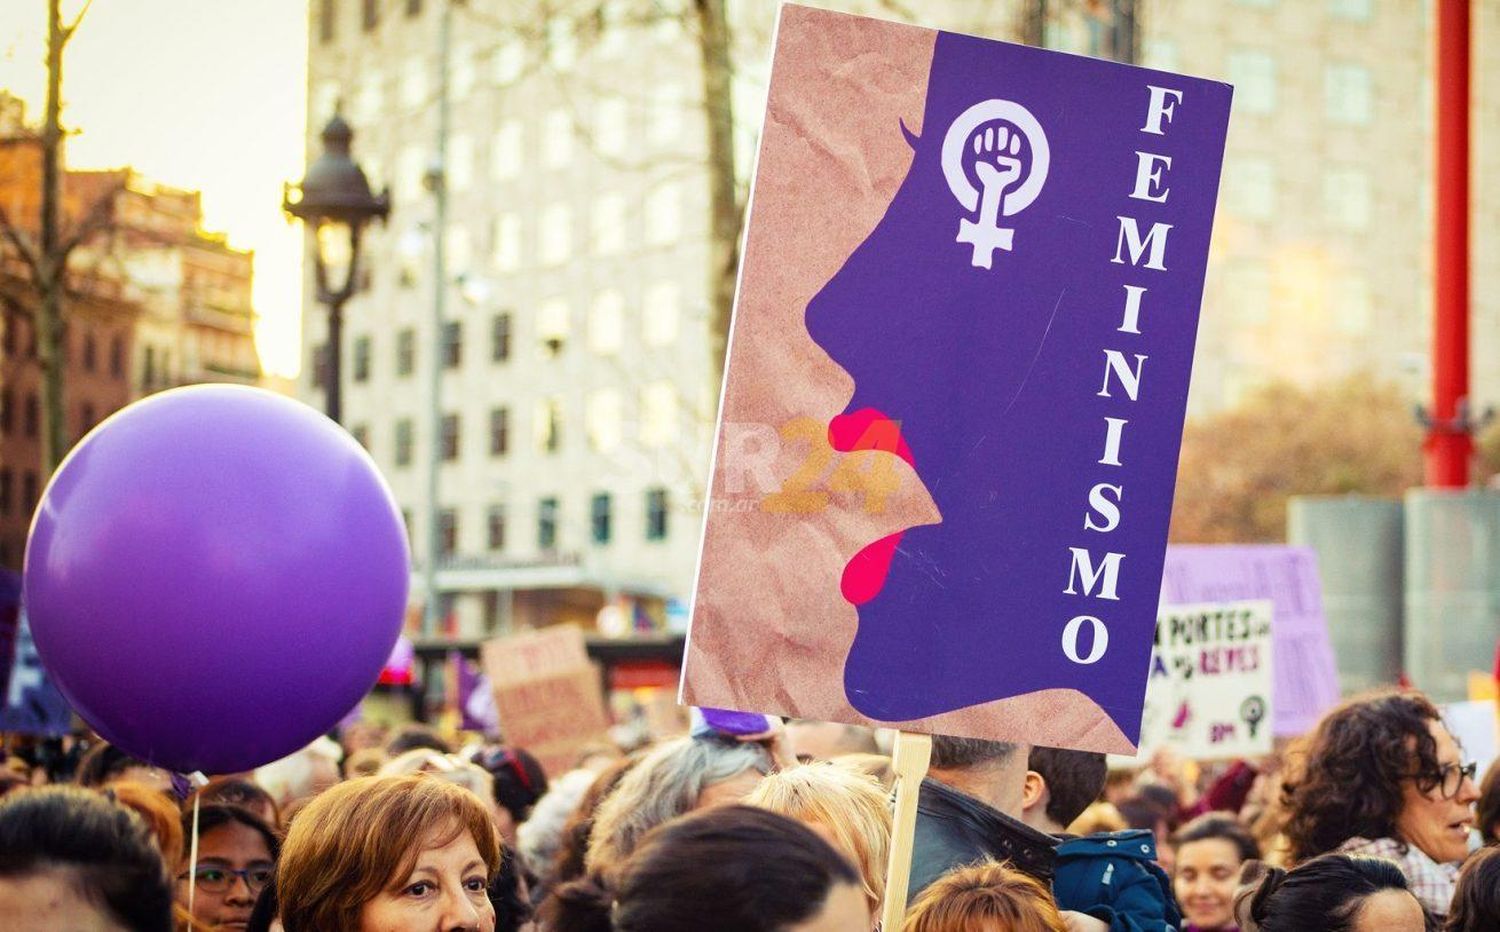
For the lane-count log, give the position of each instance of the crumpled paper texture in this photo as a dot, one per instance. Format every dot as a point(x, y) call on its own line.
point(771, 629)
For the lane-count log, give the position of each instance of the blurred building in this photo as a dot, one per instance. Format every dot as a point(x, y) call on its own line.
point(577, 385)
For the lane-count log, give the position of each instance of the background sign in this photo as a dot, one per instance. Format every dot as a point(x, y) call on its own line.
point(1210, 691)
point(33, 705)
point(1306, 680)
point(547, 694)
point(956, 385)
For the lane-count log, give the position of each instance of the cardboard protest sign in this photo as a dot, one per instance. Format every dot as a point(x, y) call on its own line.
point(1209, 695)
point(1306, 680)
point(547, 693)
point(955, 387)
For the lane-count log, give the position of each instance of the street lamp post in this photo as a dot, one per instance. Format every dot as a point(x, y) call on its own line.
point(335, 199)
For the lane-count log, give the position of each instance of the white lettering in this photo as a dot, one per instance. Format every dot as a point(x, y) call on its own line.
point(1132, 321)
point(1148, 175)
point(1112, 440)
point(1070, 639)
point(1109, 510)
point(1130, 380)
point(1082, 570)
point(1130, 239)
point(1159, 108)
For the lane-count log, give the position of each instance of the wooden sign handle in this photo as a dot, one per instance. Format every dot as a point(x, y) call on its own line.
point(909, 760)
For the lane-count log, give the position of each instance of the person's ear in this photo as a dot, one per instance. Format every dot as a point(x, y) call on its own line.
point(1033, 791)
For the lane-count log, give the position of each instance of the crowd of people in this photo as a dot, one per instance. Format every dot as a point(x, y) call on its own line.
point(1373, 821)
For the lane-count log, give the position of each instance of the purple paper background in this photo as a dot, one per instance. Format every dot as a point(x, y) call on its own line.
point(994, 375)
point(1304, 676)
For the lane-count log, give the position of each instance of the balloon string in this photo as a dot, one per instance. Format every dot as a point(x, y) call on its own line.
point(193, 855)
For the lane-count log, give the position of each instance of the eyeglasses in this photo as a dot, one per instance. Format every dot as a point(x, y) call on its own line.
point(1449, 780)
point(213, 879)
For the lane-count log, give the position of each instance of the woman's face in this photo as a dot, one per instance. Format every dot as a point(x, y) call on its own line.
point(1207, 872)
point(223, 898)
point(1436, 824)
point(844, 910)
point(1390, 911)
point(445, 891)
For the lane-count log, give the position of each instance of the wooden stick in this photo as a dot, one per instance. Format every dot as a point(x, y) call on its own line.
point(912, 753)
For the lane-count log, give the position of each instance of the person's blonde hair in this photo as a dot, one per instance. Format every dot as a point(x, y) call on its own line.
point(1098, 817)
point(985, 896)
point(356, 839)
point(851, 807)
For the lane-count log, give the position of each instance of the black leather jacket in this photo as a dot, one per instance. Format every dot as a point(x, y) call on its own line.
point(955, 829)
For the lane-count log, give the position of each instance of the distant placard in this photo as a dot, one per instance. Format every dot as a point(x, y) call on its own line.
point(1305, 679)
point(1210, 691)
point(547, 694)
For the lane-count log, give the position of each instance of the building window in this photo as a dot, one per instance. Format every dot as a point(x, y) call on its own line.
point(453, 344)
point(86, 418)
point(29, 492)
point(607, 323)
point(500, 337)
point(450, 438)
point(656, 514)
point(611, 127)
point(556, 234)
point(319, 366)
point(658, 413)
point(148, 367)
point(371, 15)
point(664, 121)
point(552, 326)
point(664, 215)
point(1251, 187)
point(510, 61)
point(609, 225)
point(660, 313)
point(499, 431)
point(361, 435)
point(90, 353)
point(557, 139)
point(460, 168)
point(447, 520)
point(506, 158)
point(1160, 54)
point(1253, 75)
point(32, 416)
point(1346, 94)
point(507, 242)
point(414, 83)
point(562, 43)
point(7, 411)
point(362, 359)
point(403, 442)
point(1346, 198)
point(546, 524)
point(549, 425)
point(406, 351)
point(496, 527)
point(604, 420)
point(5, 491)
point(117, 357)
point(328, 14)
point(599, 518)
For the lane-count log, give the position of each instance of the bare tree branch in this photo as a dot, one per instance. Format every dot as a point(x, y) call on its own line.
point(67, 32)
point(26, 251)
point(99, 217)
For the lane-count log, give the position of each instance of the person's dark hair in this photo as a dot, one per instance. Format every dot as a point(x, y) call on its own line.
point(236, 791)
point(413, 736)
point(518, 776)
point(1324, 893)
point(1217, 825)
point(730, 868)
point(1487, 809)
point(1476, 901)
point(214, 815)
point(506, 894)
point(1139, 812)
point(267, 904)
point(102, 763)
point(1349, 782)
point(949, 753)
point(108, 850)
point(1074, 780)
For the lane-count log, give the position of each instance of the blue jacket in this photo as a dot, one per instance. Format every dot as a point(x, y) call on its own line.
point(1113, 876)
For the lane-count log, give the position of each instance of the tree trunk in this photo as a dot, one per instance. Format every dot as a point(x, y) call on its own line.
point(52, 265)
point(724, 205)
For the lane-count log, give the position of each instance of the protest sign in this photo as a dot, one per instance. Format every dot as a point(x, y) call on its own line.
point(1305, 678)
point(547, 694)
point(32, 705)
point(1210, 695)
point(955, 388)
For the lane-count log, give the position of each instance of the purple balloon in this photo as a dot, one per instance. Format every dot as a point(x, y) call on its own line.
point(215, 576)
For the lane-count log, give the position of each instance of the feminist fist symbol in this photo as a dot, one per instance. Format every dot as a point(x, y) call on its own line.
point(999, 169)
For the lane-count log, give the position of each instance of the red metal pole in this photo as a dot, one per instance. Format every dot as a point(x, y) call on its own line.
point(1449, 444)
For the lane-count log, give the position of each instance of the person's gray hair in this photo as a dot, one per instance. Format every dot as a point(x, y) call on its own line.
point(664, 785)
point(950, 753)
point(540, 836)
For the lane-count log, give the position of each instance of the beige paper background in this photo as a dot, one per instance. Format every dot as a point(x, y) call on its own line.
point(770, 629)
